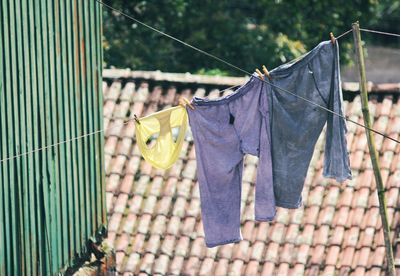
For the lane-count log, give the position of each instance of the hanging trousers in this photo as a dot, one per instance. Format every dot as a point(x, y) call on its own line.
point(224, 130)
point(297, 124)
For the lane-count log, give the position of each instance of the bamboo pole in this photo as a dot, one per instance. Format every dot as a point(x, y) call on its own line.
point(372, 150)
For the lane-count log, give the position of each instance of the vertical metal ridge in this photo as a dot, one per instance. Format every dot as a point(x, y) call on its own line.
point(45, 163)
point(34, 199)
point(13, 137)
point(25, 91)
point(24, 224)
point(99, 78)
point(2, 148)
point(81, 80)
point(71, 147)
point(57, 121)
point(76, 99)
point(31, 267)
point(68, 209)
point(89, 119)
point(53, 135)
point(92, 123)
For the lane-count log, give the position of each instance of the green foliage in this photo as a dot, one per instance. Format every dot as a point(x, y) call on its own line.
point(387, 18)
point(245, 33)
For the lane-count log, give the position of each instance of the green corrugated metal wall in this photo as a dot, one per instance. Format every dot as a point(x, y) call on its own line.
point(51, 201)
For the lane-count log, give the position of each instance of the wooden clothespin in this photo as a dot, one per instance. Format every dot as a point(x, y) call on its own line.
point(260, 74)
point(184, 102)
point(136, 119)
point(333, 39)
point(266, 72)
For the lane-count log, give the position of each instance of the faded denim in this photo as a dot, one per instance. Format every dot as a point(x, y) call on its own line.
point(296, 124)
point(224, 130)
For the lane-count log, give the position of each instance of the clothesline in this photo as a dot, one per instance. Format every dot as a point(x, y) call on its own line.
point(343, 34)
point(82, 136)
point(246, 72)
point(216, 58)
point(379, 32)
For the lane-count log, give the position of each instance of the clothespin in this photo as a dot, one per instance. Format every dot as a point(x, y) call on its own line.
point(333, 39)
point(136, 119)
point(183, 102)
point(266, 72)
point(260, 74)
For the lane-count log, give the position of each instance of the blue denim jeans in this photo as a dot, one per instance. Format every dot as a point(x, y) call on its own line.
point(297, 124)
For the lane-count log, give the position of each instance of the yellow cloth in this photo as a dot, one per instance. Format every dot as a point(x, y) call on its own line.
point(165, 151)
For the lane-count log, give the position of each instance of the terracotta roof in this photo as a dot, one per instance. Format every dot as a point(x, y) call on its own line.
point(154, 215)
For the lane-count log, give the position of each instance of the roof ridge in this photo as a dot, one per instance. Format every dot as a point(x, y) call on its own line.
point(173, 77)
point(158, 75)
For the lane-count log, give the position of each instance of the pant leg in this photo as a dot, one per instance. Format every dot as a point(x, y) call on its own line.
point(219, 172)
point(252, 126)
point(265, 208)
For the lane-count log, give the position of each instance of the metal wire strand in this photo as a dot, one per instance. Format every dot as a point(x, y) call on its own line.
point(379, 32)
point(244, 71)
point(214, 57)
point(345, 33)
point(82, 136)
point(173, 38)
point(59, 143)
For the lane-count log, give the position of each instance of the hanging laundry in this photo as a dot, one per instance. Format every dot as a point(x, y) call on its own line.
point(297, 124)
point(224, 130)
point(155, 136)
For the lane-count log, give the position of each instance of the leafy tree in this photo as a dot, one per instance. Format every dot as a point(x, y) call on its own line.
point(245, 33)
point(387, 18)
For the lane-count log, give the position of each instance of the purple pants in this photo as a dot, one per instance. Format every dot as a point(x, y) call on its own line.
point(224, 130)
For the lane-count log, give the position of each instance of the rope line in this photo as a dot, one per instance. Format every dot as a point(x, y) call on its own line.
point(173, 38)
point(244, 71)
point(379, 32)
point(345, 33)
point(216, 58)
point(82, 136)
point(55, 144)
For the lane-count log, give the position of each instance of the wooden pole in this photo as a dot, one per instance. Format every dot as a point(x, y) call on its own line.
point(372, 150)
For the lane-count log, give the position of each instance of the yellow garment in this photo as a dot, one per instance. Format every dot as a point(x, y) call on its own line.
point(165, 151)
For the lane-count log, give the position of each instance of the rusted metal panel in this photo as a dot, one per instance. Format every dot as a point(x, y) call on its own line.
point(52, 200)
